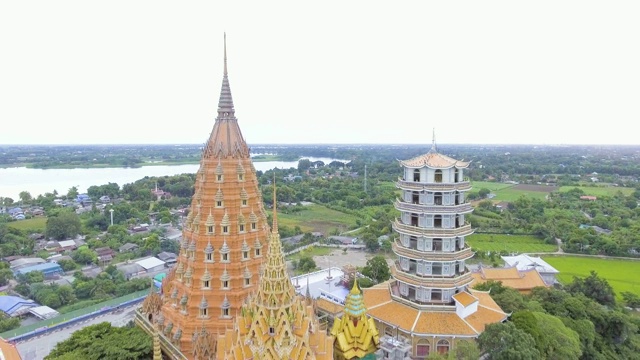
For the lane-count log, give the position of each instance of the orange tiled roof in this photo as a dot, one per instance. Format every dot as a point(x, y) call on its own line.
point(395, 313)
point(433, 322)
point(511, 277)
point(483, 317)
point(445, 323)
point(485, 300)
point(435, 160)
point(329, 306)
point(376, 295)
point(464, 298)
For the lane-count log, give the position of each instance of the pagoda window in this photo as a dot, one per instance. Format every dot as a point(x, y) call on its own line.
point(421, 244)
point(460, 241)
point(457, 197)
point(423, 348)
point(241, 228)
point(219, 203)
point(414, 219)
point(388, 330)
point(209, 257)
point(436, 295)
point(204, 312)
point(427, 270)
point(244, 202)
point(404, 289)
point(446, 269)
point(416, 175)
point(225, 229)
point(437, 221)
point(405, 240)
point(225, 257)
point(415, 197)
point(225, 312)
point(247, 282)
point(456, 175)
point(442, 347)
point(272, 330)
point(413, 242)
point(437, 198)
point(206, 284)
point(209, 229)
point(437, 244)
point(437, 176)
point(446, 245)
point(219, 178)
point(436, 269)
point(257, 252)
point(240, 177)
point(253, 226)
point(225, 284)
point(245, 255)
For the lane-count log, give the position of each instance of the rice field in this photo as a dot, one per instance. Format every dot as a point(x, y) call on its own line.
point(509, 243)
point(35, 224)
point(622, 275)
point(317, 218)
point(600, 190)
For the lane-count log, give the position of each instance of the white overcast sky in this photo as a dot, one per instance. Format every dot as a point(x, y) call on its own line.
point(123, 72)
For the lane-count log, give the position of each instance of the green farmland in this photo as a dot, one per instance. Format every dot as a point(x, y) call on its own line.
point(509, 243)
point(35, 224)
point(317, 218)
point(511, 192)
point(600, 190)
point(621, 274)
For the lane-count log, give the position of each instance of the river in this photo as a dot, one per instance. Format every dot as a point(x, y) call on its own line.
point(40, 181)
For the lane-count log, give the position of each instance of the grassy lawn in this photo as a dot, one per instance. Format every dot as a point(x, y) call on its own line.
point(317, 218)
point(36, 224)
point(509, 243)
point(621, 274)
point(600, 190)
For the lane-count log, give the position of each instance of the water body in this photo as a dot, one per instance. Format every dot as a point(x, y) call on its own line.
point(40, 181)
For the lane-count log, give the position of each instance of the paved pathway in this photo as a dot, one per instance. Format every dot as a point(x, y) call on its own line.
point(39, 347)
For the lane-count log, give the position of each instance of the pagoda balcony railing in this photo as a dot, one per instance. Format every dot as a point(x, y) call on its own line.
point(435, 281)
point(464, 230)
point(431, 209)
point(430, 306)
point(460, 255)
point(166, 345)
point(420, 186)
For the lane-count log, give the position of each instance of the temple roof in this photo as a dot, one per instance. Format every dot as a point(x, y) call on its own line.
point(434, 159)
point(521, 280)
point(447, 323)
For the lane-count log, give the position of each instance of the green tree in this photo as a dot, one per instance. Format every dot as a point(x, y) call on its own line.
point(63, 226)
point(594, 288)
point(84, 255)
point(104, 342)
point(377, 269)
point(631, 299)
point(504, 341)
point(72, 193)
point(465, 350)
point(306, 264)
point(25, 197)
point(5, 276)
point(553, 339)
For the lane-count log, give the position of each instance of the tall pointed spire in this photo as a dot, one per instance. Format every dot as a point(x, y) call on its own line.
point(226, 138)
point(225, 54)
point(274, 228)
point(225, 105)
point(433, 141)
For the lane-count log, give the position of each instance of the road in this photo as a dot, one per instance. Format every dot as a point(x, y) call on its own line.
point(39, 347)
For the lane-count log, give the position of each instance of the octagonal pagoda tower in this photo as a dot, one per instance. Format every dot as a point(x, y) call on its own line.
point(223, 243)
point(430, 246)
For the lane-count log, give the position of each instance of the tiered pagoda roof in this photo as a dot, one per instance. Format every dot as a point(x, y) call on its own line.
point(356, 333)
point(221, 252)
point(275, 323)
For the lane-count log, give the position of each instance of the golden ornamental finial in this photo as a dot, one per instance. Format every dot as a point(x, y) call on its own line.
point(225, 54)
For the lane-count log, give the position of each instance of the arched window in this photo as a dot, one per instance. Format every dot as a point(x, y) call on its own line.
point(438, 176)
point(416, 175)
point(442, 347)
point(423, 348)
